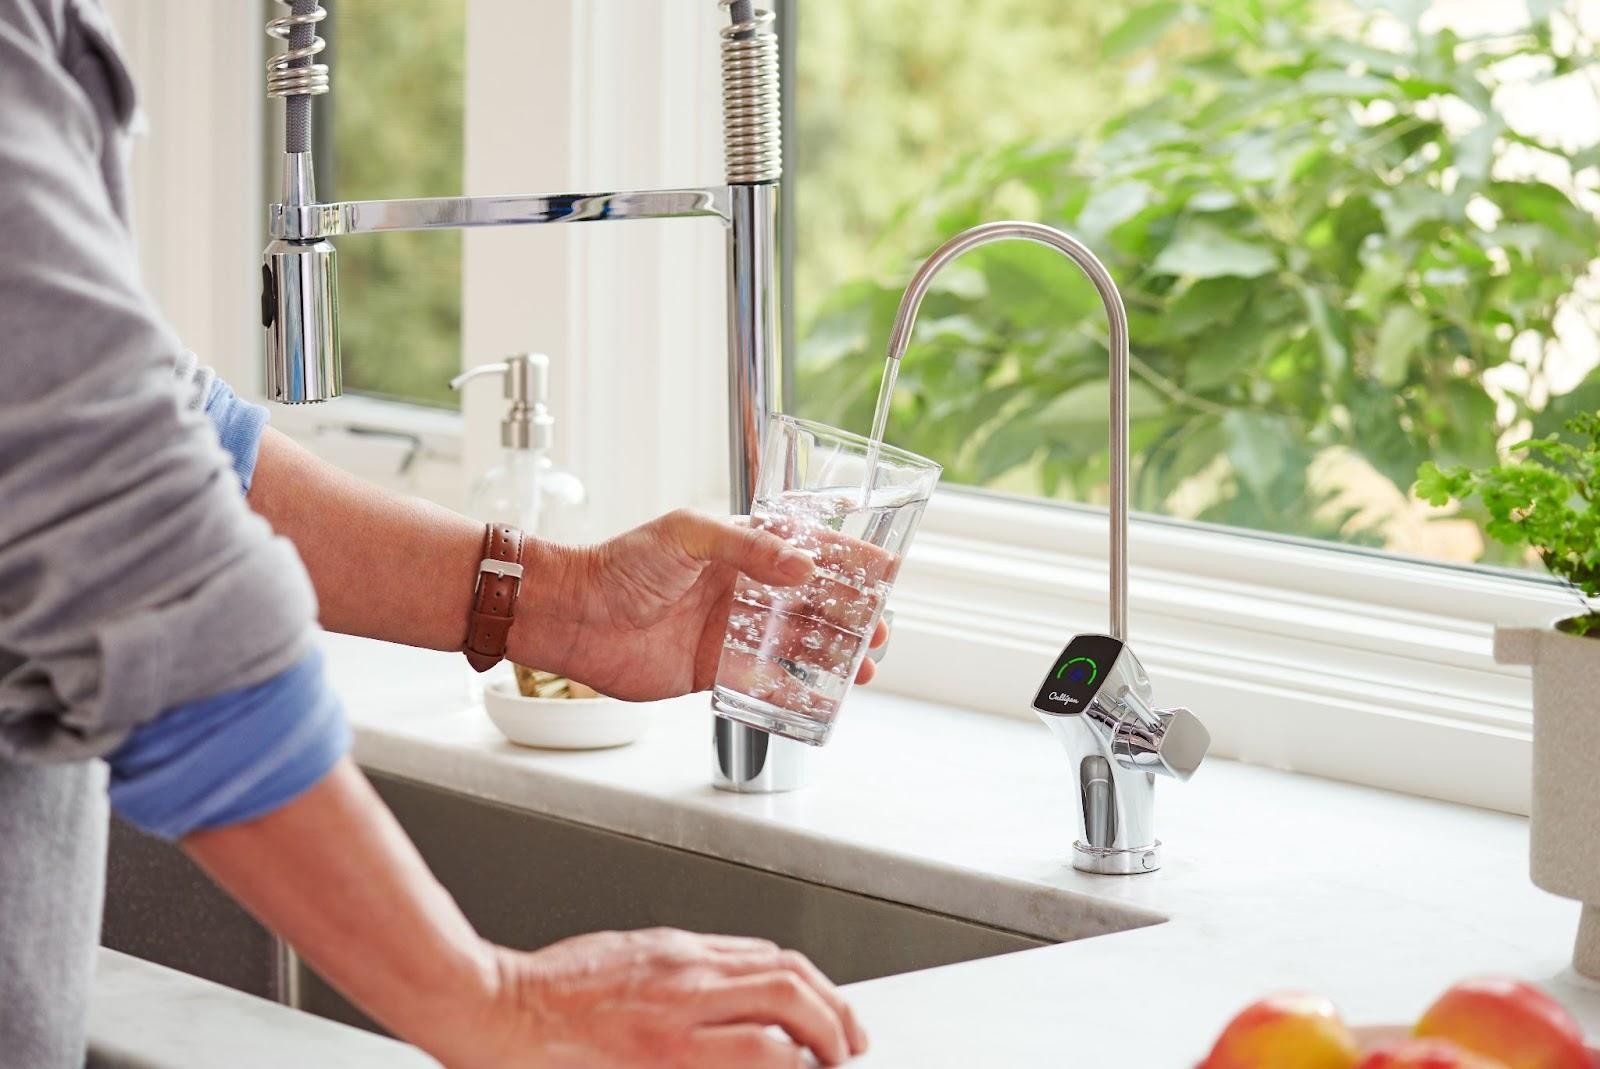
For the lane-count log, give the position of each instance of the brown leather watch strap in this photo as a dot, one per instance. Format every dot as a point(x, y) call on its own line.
point(494, 602)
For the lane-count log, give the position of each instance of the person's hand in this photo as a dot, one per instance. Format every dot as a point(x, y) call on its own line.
point(659, 998)
point(642, 616)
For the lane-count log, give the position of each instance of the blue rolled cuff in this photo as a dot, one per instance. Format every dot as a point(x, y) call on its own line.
point(231, 758)
point(240, 426)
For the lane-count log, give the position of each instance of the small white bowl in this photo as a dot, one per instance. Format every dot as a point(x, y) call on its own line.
point(563, 723)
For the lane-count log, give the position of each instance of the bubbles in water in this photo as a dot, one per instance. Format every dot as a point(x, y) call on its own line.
point(799, 647)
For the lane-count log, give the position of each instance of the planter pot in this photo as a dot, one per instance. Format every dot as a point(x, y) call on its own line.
point(1564, 848)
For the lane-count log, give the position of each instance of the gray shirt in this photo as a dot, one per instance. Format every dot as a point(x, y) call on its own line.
point(132, 576)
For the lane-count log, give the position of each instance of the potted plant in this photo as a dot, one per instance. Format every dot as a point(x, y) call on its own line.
point(1547, 499)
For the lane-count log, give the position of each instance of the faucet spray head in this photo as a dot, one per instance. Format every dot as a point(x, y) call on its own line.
point(299, 279)
point(300, 311)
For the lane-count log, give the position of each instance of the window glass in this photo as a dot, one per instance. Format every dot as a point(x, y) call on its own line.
point(391, 126)
point(1351, 238)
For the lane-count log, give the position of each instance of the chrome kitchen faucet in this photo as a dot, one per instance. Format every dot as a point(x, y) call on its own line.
point(1096, 698)
point(300, 297)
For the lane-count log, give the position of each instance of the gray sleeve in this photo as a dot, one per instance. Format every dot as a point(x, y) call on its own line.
point(133, 578)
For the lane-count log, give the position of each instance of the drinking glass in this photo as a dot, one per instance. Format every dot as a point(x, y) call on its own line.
point(790, 654)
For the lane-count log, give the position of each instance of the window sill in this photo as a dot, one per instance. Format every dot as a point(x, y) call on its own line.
point(406, 448)
point(1373, 670)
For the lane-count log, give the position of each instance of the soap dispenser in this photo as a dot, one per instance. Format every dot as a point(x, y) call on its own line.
point(526, 488)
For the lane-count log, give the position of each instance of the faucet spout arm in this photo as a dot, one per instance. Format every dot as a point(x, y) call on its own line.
point(905, 321)
point(311, 221)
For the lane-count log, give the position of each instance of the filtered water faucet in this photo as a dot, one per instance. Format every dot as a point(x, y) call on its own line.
point(300, 297)
point(1096, 698)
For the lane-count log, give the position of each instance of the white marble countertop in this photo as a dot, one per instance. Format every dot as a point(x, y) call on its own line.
point(1271, 880)
point(146, 1016)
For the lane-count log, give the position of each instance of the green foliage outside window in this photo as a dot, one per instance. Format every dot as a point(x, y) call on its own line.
point(1316, 270)
point(392, 128)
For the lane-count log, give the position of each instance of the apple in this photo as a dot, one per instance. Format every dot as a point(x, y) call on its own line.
point(1425, 1054)
point(1289, 1031)
point(1512, 1022)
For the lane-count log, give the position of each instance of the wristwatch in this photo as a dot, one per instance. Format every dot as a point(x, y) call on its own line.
point(494, 600)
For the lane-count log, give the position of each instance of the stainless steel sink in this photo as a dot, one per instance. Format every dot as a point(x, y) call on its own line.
point(526, 880)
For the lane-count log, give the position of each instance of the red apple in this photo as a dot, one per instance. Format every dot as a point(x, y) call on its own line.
point(1509, 1021)
point(1425, 1054)
point(1292, 1031)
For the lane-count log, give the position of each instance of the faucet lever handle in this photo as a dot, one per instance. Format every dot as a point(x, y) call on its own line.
point(1172, 743)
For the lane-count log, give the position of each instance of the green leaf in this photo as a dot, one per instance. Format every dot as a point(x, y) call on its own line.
point(1583, 399)
point(1435, 486)
point(1212, 200)
point(1258, 447)
point(1409, 206)
point(1475, 151)
point(1089, 405)
point(1383, 274)
point(1144, 26)
point(1362, 87)
point(1208, 304)
point(957, 328)
point(961, 280)
point(1011, 446)
point(1110, 206)
point(1327, 323)
point(1205, 251)
point(1256, 157)
point(1404, 329)
point(1033, 287)
point(1534, 201)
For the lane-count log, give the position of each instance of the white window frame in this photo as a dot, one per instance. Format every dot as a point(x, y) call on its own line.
point(1320, 659)
point(1334, 662)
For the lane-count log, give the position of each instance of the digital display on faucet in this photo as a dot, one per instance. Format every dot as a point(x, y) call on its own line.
point(1078, 674)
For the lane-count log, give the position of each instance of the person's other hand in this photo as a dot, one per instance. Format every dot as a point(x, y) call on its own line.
point(642, 616)
point(619, 1000)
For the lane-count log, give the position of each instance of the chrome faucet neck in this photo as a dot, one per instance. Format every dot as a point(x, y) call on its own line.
point(905, 321)
point(1116, 741)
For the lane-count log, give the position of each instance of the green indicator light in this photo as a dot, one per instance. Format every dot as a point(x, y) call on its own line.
point(1094, 669)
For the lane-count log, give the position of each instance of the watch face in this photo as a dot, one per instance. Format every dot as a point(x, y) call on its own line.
point(1078, 674)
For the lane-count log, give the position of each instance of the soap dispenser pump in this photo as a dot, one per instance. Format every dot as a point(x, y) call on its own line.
point(526, 488)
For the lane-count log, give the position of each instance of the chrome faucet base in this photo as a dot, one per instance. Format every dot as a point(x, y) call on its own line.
point(752, 761)
point(1120, 862)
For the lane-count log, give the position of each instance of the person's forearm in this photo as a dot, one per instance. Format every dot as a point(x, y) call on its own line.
point(384, 566)
point(333, 873)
